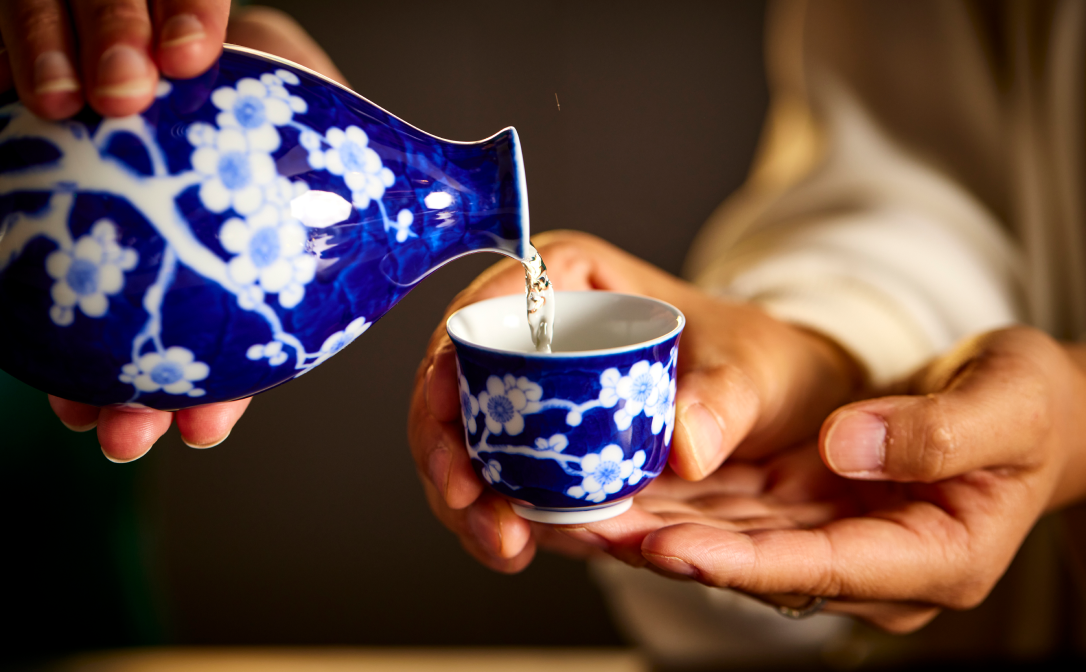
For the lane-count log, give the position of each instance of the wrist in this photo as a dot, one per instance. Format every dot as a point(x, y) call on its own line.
point(1071, 482)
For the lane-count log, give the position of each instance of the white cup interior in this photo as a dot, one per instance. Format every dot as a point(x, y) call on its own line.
point(583, 322)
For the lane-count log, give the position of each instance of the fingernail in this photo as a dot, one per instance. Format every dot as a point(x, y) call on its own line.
point(484, 525)
point(439, 469)
point(585, 536)
point(123, 72)
point(703, 434)
point(115, 460)
point(672, 564)
point(80, 428)
point(53, 73)
point(856, 444)
point(202, 446)
point(182, 29)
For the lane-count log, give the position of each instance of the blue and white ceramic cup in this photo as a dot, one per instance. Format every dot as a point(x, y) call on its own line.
point(569, 436)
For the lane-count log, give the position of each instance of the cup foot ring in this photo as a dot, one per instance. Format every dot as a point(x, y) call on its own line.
point(573, 516)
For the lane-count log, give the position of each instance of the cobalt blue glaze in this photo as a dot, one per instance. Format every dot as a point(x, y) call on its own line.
point(584, 430)
point(238, 233)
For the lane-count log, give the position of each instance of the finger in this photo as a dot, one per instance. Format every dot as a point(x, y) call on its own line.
point(209, 425)
point(75, 416)
point(277, 33)
point(127, 433)
point(496, 528)
point(745, 513)
point(749, 383)
point(439, 453)
point(899, 618)
point(551, 539)
point(912, 555)
point(993, 414)
point(488, 529)
point(189, 35)
point(734, 478)
point(41, 52)
point(115, 50)
point(504, 565)
point(442, 385)
point(6, 79)
point(715, 409)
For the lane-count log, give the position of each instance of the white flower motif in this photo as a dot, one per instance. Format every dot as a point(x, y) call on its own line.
point(200, 134)
point(640, 389)
point(256, 107)
point(282, 192)
point(469, 406)
point(84, 275)
point(663, 414)
point(235, 174)
point(506, 401)
point(287, 77)
point(638, 461)
point(270, 252)
point(557, 443)
point(605, 472)
point(173, 371)
point(340, 340)
point(492, 472)
point(352, 158)
point(403, 226)
point(273, 352)
point(609, 383)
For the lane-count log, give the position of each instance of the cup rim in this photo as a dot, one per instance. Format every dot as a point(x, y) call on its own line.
point(568, 354)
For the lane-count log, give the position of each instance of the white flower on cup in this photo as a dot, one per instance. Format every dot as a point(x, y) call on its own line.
point(255, 109)
point(173, 371)
point(235, 174)
point(270, 252)
point(350, 157)
point(609, 387)
point(605, 472)
point(505, 402)
point(469, 406)
point(640, 389)
point(88, 272)
point(492, 472)
point(663, 415)
point(556, 443)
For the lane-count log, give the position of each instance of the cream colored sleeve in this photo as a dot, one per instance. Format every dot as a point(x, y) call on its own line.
point(843, 230)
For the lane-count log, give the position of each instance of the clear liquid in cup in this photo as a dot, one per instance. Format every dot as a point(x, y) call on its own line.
point(540, 301)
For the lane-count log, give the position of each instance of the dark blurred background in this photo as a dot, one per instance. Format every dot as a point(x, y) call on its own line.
point(308, 526)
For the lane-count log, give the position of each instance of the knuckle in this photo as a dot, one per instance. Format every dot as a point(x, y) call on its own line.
point(36, 21)
point(904, 622)
point(562, 249)
point(967, 595)
point(938, 444)
point(117, 14)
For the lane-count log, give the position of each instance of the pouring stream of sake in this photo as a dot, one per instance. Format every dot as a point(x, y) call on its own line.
point(540, 300)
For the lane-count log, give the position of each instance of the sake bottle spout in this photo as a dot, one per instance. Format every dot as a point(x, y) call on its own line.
point(474, 200)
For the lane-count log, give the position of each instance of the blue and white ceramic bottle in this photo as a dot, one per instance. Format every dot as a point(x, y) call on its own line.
point(238, 233)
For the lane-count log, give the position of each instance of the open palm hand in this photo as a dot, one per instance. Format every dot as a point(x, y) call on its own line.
point(987, 441)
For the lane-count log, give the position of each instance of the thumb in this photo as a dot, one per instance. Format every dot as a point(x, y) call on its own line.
point(992, 414)
point(714, 409)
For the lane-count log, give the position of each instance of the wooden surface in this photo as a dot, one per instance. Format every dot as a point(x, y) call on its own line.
point(369, 659)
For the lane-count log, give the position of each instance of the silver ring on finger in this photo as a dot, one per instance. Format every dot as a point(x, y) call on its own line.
point(815, 605)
